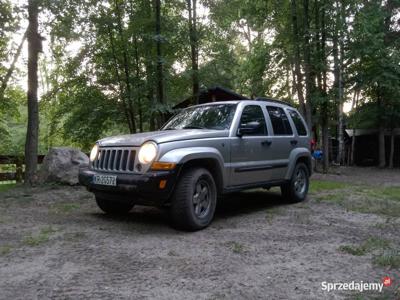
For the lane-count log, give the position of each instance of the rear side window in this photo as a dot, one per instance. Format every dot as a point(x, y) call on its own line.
point(279, 120)
point(253, 113)
point(298, 122)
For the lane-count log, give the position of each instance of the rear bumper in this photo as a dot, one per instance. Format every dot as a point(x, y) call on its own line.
point(143, 188)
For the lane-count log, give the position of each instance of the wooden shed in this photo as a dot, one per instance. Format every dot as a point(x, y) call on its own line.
point(366, 146)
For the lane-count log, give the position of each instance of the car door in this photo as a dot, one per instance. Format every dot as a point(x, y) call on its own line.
point(282, 139)
point(250, 152)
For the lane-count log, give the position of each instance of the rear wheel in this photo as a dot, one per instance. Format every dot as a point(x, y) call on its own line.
point(113, 207)
point(297, 188)
point(194, 200)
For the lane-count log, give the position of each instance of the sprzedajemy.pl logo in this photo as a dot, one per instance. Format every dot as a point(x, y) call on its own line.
point(356, 286)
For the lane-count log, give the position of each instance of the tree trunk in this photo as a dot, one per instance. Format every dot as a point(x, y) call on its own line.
point(353, 140)
point(382, 156)
point(192, 9)
point(160, 74)
point(130, 104)
point(342, 21)
point(337, 85)
point(353, 144)
point(137, 66)
point(297, 61)
point(325, 146)
point(391, 156)
point(10, 70)
point(307, 64)
point(324, 105)
point(120, 83)
point(382, 150)
point(32, 133)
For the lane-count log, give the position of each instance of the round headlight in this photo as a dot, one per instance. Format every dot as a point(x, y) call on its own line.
point(93, 153)
point(147, 152)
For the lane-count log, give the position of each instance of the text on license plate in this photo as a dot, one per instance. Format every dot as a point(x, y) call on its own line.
point(105, 180)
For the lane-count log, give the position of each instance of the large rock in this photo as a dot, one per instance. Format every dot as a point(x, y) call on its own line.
point(61, 165)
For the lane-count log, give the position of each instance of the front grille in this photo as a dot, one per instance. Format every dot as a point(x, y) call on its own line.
point(115, 159)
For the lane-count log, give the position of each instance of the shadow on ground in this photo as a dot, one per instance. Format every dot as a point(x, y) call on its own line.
point(230, 206)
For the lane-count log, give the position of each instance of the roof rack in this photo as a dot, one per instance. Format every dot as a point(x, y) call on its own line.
point(274, 100)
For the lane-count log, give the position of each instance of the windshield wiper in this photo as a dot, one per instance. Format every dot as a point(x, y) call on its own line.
point(193, 127)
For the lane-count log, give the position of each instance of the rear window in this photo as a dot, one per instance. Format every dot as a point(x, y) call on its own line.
point(279, 120)
point(298, 122)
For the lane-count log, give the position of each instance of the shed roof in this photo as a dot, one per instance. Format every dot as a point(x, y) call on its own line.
point(212, 94)
point(360, 132)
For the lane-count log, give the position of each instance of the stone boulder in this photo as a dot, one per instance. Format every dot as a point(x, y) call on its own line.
point(61, 165)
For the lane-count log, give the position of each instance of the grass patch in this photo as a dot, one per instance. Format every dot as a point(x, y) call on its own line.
point(64, 208)
point(371, 244)
point(4, 250)
point(41, 238)
point(392, 193)
point(236, 247)
point(388, 259)
point(324, 185)
point(7, 186)
point(364, 199)
point(335, 198)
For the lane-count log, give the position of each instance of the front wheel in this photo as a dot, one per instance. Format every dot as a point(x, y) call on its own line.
point(113, 207)
point(194, 200)
point(297, 188)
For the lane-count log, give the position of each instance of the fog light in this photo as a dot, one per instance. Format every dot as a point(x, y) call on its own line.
point(163, 184)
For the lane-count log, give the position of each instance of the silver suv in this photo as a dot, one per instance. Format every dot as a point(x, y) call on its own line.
point(202, 152)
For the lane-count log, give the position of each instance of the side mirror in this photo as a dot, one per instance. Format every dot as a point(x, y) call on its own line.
point(248, 128)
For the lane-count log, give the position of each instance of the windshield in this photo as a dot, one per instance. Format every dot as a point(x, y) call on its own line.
point(214, 116)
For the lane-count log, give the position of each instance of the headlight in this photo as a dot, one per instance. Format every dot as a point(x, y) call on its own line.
point(93, 153)
point(147, 153)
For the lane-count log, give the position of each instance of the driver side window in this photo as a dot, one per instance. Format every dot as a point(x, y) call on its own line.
point(254, 113)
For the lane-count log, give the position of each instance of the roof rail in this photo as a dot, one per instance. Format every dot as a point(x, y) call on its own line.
point(274, 100)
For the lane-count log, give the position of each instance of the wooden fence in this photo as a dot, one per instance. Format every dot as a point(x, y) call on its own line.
point(18, 166)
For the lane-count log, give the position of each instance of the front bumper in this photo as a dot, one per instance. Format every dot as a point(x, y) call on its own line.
point(143, 188)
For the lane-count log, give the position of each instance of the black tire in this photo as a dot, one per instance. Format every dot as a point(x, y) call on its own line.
point(113, 207)
point(296, 189)
point(194, 200)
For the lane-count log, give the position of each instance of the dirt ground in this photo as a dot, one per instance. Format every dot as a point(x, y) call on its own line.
point(56, 244)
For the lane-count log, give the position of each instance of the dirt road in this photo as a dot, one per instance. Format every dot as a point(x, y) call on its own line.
point(56, 244)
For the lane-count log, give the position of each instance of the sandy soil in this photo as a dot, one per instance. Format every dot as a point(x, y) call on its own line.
point(56, 244)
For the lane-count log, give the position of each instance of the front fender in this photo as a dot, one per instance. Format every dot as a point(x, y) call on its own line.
point(183, 155)
point(293, 158)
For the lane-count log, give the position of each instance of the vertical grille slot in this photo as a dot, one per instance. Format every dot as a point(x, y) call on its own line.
point(131, 160)
point(102, 159)
point(115, 159)
point(118, 160)
point(106, 159)
point(111, 165)
point(124, 160)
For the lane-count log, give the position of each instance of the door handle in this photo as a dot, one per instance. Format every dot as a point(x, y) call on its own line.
point(266, 143)
point(293, 142)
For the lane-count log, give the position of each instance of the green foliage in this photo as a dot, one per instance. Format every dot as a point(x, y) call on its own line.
point(376, 70)
point(6, 187)
point(98, 76)
point(389, 259)
point(324, 185)
point(42, 237)
point(371, 244)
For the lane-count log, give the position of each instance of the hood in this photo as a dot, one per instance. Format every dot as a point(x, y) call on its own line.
point(162, 136)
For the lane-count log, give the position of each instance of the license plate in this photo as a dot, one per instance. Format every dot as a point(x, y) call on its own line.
point(105, 180)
